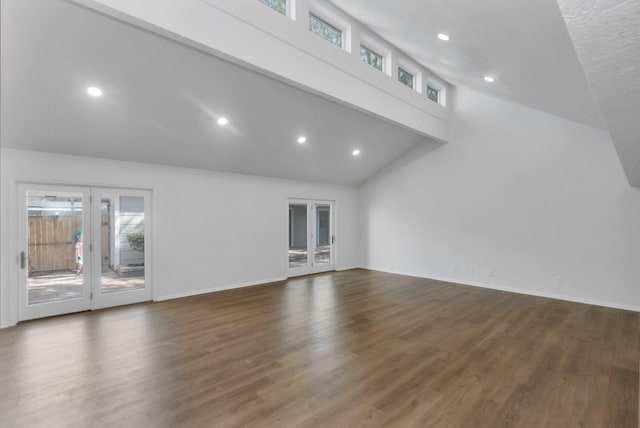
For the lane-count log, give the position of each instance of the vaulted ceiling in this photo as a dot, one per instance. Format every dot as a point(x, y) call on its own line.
point(577, 59)
point(606, 34)
point(161, 101)
point(524, 44)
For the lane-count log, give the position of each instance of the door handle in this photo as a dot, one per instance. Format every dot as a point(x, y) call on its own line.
point(333, 239)
point(23, 260)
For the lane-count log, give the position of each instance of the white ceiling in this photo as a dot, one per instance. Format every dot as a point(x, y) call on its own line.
point(523, 43)
point(606, 34)
point(577, 59)
point(161, 100)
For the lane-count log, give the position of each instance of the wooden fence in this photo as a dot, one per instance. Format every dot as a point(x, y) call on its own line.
point(51, 242)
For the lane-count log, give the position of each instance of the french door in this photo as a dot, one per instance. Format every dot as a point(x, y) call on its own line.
point(81, 248)
point(311, 237)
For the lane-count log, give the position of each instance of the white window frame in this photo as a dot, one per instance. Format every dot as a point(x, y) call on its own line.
point(291, 9)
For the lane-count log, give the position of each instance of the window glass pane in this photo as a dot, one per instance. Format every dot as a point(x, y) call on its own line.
point(432, 94)
point(323, 234)
point(297, 236)
point(279, 5)
point(325, 30)
point(371, 58)
point(56, 252)
point(122, 252)
point(406, 78)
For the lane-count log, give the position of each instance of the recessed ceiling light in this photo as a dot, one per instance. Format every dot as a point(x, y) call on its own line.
point(302, 139)
point(93, 91)
point(223, 121)
point(356, 152)
point(443, 36)
point(489, 79)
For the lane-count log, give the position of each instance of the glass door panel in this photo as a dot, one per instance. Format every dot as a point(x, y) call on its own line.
point(298, 242)
point(53, 229)
point(323, 234)
point(123, 236)
point(55, 246)
point(122, 247)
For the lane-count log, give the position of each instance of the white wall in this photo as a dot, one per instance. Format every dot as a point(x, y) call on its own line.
point(211, 230)
point(518, 199)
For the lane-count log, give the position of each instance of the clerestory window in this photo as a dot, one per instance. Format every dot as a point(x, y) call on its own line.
point(279, 5)
point(405, 77)
point(325, 30)
point(372, 58)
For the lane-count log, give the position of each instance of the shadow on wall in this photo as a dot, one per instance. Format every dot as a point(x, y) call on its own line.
point(416, 154)
point(407, 158)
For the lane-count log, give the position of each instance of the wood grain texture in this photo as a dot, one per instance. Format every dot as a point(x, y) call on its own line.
point(344, 349)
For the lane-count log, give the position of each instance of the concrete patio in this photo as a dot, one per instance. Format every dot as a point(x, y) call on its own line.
point(64, 285)
point(298, 256)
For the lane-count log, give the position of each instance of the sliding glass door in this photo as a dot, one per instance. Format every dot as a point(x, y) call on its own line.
point(81, 248)
point(311, 237)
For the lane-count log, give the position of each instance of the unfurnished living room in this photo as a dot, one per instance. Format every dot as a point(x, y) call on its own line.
point(319, 213)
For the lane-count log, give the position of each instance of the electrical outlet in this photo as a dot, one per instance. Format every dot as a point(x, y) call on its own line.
point(491, 272)
point(559, 281)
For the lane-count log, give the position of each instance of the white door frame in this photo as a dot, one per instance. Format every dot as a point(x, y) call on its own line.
point(311, 266)
point(91, 299)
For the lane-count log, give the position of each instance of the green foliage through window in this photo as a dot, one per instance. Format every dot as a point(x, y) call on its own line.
point(136, 240)
point(406, 78)
point(325, 30)
point(432, 94)
point(279, 5)
point(370, 57)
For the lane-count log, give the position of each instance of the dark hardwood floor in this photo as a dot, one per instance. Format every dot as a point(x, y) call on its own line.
point(346, 349)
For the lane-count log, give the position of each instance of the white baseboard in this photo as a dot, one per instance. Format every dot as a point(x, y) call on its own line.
point(536, 293)
point(233, 286)
point(214, 289)
point(342, 268)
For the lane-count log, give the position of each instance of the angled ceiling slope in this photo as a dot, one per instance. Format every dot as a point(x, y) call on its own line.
point(161, 100)
point(524, 44)
point(576, 59)
point(606, 35)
